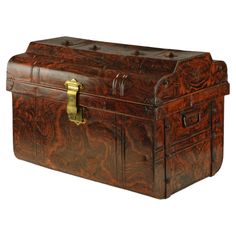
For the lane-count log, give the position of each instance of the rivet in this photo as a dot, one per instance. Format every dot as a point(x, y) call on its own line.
point(136, 53)
point(94, 47)
point(213, 135)
point(167, 126)
point(213, 157)
point(66, 43)
point(167, 156)
point(165, 82)
point(167, 180)
point(170, 54)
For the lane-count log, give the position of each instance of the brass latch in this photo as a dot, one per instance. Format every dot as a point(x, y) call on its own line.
point(74, 111)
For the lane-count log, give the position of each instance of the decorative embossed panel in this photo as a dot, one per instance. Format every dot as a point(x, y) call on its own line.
point(188, 166)
point(139, 155)
point(24, 127)
point(87, 150)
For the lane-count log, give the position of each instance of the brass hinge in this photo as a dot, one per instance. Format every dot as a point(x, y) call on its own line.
point(74, 111)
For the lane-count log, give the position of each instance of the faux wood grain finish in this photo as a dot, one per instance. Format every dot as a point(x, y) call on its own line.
point(154, 116)
point(109, 148)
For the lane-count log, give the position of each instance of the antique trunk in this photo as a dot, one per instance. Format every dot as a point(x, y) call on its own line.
point(145, 119)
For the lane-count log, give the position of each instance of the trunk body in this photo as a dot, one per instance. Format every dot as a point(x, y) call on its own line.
point(154, 117)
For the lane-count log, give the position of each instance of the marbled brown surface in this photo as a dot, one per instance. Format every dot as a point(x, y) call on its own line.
point(154, 116)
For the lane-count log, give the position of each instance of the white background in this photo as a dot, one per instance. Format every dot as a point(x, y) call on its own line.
point(38, 201)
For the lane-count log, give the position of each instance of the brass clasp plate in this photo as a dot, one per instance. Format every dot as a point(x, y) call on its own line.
point(74, 111)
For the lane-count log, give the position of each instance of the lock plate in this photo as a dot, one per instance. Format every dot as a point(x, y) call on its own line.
point(74, 111)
